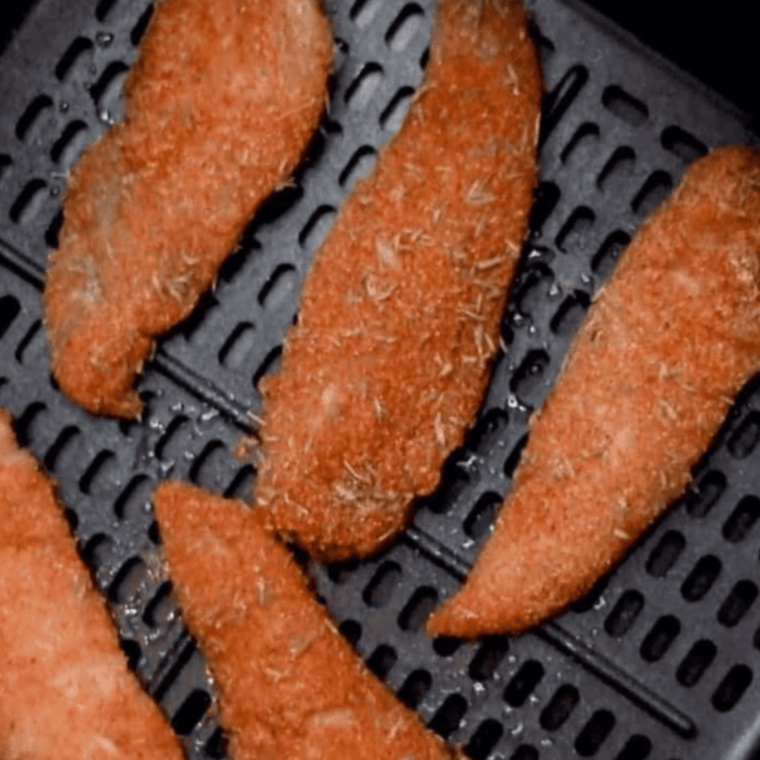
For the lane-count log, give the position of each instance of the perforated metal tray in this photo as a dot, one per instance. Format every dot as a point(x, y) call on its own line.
point(662, 660)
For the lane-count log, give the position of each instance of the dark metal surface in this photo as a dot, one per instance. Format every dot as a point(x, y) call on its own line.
point(661, 661)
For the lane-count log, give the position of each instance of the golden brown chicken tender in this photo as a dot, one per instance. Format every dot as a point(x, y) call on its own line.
point(649, 378)
point(399, 315)
point(290, 686)
point(218, 109)
point(66, 691)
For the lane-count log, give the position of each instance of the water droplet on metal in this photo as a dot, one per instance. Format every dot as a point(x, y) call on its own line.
point(104, 39)
point(64, 106)
point(600, 602)
point(105, 116)
point(55, 192)
point(209, 415)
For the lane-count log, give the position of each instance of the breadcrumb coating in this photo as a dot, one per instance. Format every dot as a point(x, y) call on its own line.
point(66, 691)
point(399, 315)
point(218, 108)
point(649, 379)
point(290, 686)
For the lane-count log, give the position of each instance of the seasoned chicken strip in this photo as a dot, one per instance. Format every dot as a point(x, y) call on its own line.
point(399, 315)
point(218, 109)
point(650, 376)
point(66, 691)
point(290, 686)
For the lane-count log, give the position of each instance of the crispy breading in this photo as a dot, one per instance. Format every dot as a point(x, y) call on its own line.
point(290, 686)
point(399, 315)
point(66, 691)
point(218, 109)
point(649, 379)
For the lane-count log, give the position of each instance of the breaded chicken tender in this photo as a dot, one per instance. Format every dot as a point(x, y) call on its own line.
point(399, 315)
point(66, 691)
point(218, 109)
point(649, 379)
point(290, 686)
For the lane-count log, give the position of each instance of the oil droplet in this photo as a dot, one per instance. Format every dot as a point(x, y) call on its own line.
point(103, 39)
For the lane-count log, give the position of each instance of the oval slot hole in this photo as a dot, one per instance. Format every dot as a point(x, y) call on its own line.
point(418, 609)
point(77, 48)
point(624, 614)
point(364, 86)
point(379, 590)
point(401, 32)
point(237, 347)
point(696, 662)
point(393, 114)
point(625, 106)
point(559, 709)
point(660, 638)
point(741, 520)
point(29, 202)
point(32, 115)
point(523, 683)
point(449, 715)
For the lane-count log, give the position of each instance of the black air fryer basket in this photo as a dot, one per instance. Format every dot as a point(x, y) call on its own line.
point(662, 660)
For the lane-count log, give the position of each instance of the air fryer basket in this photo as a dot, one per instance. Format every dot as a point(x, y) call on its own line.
point(660, 660)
